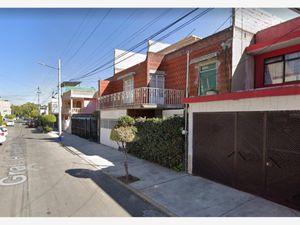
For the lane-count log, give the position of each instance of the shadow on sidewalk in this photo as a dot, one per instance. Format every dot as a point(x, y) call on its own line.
point(131, 202)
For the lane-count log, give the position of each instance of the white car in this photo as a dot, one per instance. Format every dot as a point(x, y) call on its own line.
point(4, 130)
point(2, 137)
point(10, 123)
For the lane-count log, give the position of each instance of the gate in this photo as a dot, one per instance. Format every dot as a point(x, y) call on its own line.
point(258, 152)
point(85, 126)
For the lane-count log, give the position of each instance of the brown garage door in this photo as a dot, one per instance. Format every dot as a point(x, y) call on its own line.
point(258, 152)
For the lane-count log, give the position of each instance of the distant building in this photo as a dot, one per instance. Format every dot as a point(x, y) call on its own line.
point(53, 106)
point(77, 100)
point(43, 110)
point(5, 107)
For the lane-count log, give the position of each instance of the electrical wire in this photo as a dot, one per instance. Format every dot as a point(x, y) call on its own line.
point(142, 42)
point(127, 40)
point(88, 37)
point(102, 67)
point(95, 50)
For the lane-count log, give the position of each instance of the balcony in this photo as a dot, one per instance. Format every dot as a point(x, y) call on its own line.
point(144, 97)
point(72, 111)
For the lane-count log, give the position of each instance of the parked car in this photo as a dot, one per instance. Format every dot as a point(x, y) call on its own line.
point(3, 129)
point(2, 137)
point(32, 123)
point(10, 122)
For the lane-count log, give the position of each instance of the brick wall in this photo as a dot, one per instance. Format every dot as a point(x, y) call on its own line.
point(174, 64)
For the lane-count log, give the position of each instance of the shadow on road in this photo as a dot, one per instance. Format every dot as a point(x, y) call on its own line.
point(130, 201)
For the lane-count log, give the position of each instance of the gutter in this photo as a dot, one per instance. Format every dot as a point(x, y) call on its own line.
point(186, 112)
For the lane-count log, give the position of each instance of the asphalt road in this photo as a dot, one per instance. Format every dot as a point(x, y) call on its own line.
point(39, 178)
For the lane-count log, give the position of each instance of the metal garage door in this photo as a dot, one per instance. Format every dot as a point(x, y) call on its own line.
point(258, 152)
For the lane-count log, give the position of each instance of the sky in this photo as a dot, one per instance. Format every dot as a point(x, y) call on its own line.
point(83, 39)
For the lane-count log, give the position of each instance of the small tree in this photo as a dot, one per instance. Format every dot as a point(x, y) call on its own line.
point(34, 114)
point(49, 119)
point(124, 132)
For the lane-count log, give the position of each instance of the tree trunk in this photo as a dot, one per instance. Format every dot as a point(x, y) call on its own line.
point(125, 163)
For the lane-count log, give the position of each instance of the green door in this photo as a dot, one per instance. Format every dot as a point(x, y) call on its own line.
point(207, 79)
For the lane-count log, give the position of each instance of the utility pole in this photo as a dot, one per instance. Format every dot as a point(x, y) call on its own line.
point(59, 95)
point(59, 101)
point(38, 94)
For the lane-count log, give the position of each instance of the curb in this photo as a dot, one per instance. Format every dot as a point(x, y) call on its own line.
point(138, 193)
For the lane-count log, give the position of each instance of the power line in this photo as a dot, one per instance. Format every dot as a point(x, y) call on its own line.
point(106, 39)
point(76, 33)
point(88, 37)
point(130, 38)
point(102, 67)
point(143, 42)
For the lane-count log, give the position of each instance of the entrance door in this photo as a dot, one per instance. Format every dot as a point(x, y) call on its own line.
point(128, 91)
point(283, 158)
point(213, 144)
point(156, 91)
point(249, 164)
point(258, 152)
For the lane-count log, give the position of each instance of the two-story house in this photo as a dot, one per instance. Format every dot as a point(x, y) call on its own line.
point(248, 138)
point(151, 86)
point(77, 100)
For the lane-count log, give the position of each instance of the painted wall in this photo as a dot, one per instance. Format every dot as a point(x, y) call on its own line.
point(5, 108)
point(124, 59)
point(104, 132)
point(174, 112)
point(247, 22)
point(283, 103)
point(89, 106)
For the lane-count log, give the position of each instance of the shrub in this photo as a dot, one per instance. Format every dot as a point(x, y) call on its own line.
point(160, 141)
point(48, 119)
point(47, 129)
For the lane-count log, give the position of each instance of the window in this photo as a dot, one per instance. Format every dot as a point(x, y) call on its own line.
point(207, 78)
point(281, 69)
point(156, 91)
point(128, 90)
point(108, 123)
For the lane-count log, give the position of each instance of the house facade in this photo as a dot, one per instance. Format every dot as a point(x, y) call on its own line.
point(248, 138)
point(5, 108)
point(77, 100)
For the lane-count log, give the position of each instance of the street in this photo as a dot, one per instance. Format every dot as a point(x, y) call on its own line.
point(39, 178)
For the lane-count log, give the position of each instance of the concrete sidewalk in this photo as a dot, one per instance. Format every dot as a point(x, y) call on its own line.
point(180, 194)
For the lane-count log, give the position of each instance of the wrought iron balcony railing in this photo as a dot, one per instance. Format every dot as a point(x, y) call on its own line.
point(142, 97)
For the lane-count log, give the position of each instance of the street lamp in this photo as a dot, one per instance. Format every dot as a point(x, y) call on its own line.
point(59, 94)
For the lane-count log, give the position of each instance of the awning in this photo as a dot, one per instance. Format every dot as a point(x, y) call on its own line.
point(274, 44)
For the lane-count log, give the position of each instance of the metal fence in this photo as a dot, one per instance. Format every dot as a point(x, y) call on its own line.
point(85, 127)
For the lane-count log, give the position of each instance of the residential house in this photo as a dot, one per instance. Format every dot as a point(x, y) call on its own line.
point(248, 136)
point(151, 86)
point(5, 107)
point(53, 106)
point(76, 100)
point(43, 110)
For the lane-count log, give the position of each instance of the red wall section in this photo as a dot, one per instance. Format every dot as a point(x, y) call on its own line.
point(278, 30)
point(259, 63)
point(174, 64)
point(103, 87)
